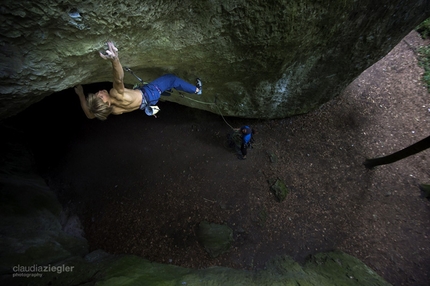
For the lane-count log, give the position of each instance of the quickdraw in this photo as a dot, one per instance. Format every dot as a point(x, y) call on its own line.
point(130, 71)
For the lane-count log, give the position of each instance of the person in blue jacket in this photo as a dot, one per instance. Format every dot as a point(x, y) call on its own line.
point(246, 135)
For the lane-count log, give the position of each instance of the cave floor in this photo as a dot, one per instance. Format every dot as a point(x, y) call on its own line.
point(142, 185)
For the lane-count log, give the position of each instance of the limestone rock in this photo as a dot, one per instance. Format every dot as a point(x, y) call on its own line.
point(279, 189)
point(259, 59)
point(215, 238)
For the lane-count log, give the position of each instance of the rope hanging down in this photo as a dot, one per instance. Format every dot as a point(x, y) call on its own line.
point(182, 95)
point(208, 103)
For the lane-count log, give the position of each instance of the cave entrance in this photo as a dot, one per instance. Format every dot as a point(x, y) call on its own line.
point(139, 184)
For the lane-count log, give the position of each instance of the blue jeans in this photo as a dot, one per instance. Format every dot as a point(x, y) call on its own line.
point(155, 88)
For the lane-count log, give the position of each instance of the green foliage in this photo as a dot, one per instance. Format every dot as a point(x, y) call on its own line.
point(424, 61)
point(424, 29)
point(424, 52)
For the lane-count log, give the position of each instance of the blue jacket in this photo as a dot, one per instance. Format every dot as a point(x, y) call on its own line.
point(246, 137)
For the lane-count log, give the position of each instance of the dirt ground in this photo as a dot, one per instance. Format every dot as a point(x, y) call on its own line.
point(142, 185)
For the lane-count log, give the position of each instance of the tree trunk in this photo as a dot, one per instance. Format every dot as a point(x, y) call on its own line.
point(406, 152)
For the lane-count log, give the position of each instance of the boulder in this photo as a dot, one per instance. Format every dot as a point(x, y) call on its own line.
point(279, 189)
point(215, 238)
point(257, 59)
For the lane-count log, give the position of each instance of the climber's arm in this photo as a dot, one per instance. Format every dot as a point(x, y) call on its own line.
point(80, 92)
point(118, 72)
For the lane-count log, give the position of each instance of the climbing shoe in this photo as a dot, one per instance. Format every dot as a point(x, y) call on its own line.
point(199, 86)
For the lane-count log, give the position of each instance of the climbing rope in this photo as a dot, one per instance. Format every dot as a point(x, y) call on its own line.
point(208, 103)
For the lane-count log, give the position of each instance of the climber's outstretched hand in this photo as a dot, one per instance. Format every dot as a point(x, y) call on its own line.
point(79, 90)
point(111, 54)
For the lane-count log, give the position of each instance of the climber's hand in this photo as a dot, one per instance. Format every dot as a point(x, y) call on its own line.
point(79, 89)
point(111, 53)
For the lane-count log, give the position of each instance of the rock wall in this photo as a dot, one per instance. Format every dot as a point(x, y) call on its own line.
point(259, 59)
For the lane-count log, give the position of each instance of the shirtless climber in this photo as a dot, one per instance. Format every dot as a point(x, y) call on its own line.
point(120, 99)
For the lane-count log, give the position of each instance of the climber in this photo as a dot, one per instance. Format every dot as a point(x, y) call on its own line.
point(120, 99)
point(246, 136)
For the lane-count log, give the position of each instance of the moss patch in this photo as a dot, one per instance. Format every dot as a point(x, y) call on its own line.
point(279, 189)
point(215, 238)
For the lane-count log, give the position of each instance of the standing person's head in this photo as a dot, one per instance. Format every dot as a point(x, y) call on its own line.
point(99, 104)
point(245, 130)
